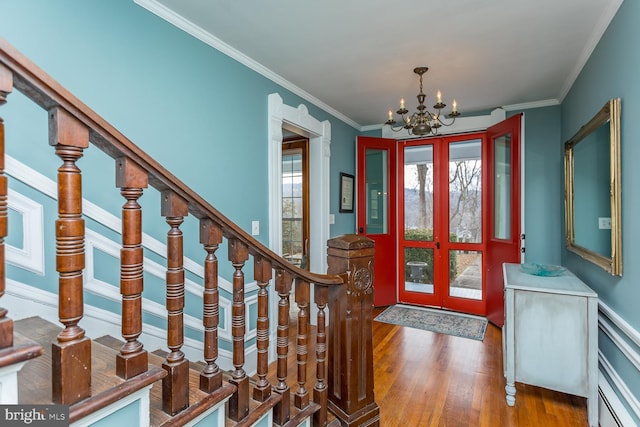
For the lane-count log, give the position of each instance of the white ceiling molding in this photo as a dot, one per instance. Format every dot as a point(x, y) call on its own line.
point(596, 35)
point(529, 105)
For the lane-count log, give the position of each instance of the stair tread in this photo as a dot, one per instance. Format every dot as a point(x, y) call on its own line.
point(34, 380)
point(37, 389)
point(23, 349)
point(158, 416)
point(198, 400)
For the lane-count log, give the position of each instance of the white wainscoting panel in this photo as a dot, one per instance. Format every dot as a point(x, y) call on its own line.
point(31, 255)
point(614, 412)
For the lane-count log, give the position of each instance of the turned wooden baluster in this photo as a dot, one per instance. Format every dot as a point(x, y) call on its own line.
point(71, 355)
point(301, 397)
point(211, 375)
point(239, 401)
point(320, 393)
point(175, 386)
point(281, 411)
point(133, 359)
point(6, 324)
point(262, 274)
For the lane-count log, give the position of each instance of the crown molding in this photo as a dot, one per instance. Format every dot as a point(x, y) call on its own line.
point(204, 36)
point(371, 127)
point(529, 105)
point(598, 30)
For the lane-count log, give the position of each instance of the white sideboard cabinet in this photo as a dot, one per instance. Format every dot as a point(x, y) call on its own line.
point(550, 335)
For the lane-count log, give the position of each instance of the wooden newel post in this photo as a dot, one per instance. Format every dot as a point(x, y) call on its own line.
point(350, 358)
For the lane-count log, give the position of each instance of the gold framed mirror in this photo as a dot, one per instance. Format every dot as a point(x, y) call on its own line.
point(592, 190)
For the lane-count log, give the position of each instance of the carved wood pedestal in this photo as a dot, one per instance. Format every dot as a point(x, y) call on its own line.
point(350, 376)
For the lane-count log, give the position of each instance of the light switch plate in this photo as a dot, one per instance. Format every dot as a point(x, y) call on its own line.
point(255, 228)
point(604, 223)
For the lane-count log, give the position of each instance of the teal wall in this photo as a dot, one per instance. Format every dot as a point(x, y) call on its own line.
point(612, 71)
point(198, 112)
point(544, 185)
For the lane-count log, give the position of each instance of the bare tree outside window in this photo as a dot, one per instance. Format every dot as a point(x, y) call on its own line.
point(465, 199)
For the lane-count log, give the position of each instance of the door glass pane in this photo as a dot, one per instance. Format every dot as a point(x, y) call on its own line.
point(418, 193)
point(465, 274)
point(292, 214)
point(465, 191)
point(502, 187)
point(418, 270)
point(376, 187)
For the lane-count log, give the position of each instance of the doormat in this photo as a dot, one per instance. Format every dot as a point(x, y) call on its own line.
point(443, 322)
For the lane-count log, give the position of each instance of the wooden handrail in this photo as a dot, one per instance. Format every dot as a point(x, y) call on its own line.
point(48, 93)
point(344, 382)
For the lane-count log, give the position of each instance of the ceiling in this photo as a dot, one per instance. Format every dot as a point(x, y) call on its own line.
point(356, 58)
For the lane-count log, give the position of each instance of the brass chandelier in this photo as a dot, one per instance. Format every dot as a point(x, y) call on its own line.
point(423, 122)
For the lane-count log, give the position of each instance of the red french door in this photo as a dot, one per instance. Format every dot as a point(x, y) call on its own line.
point(441, 200)
point(376, 211)
point(504, 242)
point(458, 217)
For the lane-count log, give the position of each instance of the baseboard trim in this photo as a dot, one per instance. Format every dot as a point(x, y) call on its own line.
point(617, 404)
point(612, 412)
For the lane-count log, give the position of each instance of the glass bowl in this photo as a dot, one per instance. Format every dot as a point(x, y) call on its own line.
point(546, 270)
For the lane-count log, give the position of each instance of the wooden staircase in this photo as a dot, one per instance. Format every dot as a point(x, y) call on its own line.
point(58, 363)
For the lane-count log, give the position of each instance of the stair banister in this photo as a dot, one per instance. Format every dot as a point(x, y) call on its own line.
point(131, 180)
point(210, 238)
point(320, 390)
point(302, 291)
point(262, 273)
point(345, 352)
point(175, 386)
point(239, 402)
point(6, 324)
point(47, 92)
point(71, 354)
point(283, 282)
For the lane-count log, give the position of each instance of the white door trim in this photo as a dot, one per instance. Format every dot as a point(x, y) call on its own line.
point(301, 122)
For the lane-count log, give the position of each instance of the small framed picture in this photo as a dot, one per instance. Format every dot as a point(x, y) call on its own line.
point(346, 193)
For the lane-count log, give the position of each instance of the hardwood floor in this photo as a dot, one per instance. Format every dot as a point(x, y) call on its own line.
point(428, 379)
point(424, 379)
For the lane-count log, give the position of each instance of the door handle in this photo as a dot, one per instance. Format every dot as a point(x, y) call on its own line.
point(437, 245)
point(361, 230)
